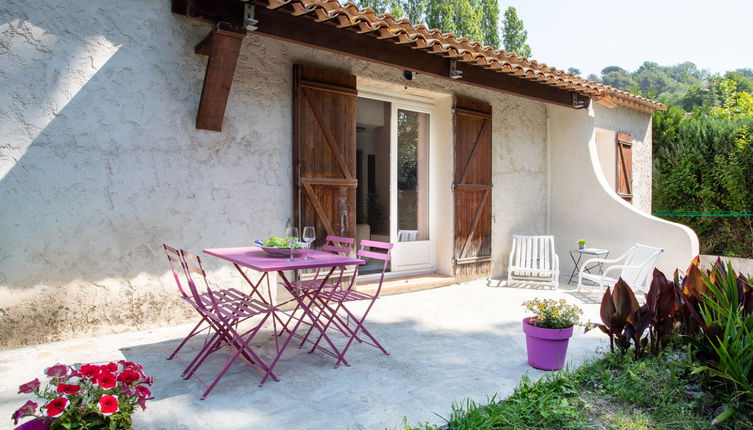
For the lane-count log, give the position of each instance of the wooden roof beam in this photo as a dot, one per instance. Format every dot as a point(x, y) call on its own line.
point(222, 47)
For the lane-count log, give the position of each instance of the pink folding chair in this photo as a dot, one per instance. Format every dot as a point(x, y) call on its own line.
point(334, 244)
point(203, 325)
point(224, 317)
point(334, 300)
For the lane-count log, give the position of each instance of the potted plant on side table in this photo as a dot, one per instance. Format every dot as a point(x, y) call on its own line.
point(90, 397)
point(548, 332)
point(582, 244)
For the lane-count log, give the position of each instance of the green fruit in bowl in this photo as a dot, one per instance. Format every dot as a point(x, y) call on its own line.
point(275, 242)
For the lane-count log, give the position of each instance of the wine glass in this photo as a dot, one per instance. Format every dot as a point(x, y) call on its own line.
point(309, 235)
point(291, 235)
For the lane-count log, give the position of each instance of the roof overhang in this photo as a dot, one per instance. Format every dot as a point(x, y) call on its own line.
point(347, 30)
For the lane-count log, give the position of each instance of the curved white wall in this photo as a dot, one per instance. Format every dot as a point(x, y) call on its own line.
point(584, 206)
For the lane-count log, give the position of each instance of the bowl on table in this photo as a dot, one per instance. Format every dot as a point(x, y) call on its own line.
point(282, 252)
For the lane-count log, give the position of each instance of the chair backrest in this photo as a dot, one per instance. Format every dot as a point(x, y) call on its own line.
point(375, 252)
point(339, 245)
point(533, 252)
point(193, 266)
point(645, 258)
point(174, 258)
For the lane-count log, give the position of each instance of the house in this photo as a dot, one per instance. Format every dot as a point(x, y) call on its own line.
point(214, 123)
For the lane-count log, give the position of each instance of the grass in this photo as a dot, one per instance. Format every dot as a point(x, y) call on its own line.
point(612, 392)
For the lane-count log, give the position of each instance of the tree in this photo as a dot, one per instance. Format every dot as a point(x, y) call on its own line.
point(415, 10)
point(574, 70)
point(594, 77)
point(735, 104)
point(618, 78)
point(475, 20)
point(468, 19)
point(441, 14)
point(489, 22)
point(514, 36)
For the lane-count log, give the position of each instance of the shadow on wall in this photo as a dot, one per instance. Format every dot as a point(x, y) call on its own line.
point(119, 167)
point(102, 164)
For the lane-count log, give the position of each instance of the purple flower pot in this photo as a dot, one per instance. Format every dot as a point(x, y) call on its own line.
point(35, 424)
point(547, 347)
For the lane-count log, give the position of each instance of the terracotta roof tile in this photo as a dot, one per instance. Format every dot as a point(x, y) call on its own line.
point(434, 41)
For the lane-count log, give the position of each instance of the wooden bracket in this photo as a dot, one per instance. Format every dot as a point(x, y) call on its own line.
point(222, 47)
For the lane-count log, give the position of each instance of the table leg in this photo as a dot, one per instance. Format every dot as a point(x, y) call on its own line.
point(575, 270)
point(315, 320)
point(298, 299)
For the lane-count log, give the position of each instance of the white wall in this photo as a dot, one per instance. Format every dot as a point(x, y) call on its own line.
point(100, 162)
point(638, 125)
point(584, 206)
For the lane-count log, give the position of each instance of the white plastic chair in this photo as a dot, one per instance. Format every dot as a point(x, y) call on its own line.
point(636, 269)
point(533, 261)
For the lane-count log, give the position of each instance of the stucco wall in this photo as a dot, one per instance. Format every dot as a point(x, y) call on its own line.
point(583, 206)
point(638, 125)
point(100, 162)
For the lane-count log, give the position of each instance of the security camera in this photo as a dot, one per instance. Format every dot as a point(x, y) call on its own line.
point(408, 75)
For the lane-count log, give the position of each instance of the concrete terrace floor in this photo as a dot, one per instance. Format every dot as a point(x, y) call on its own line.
point(446, 344)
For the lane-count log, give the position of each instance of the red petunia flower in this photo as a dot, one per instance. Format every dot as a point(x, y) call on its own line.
point(28, 387)
point(56, 407)
point(106, 380)
point(143, 391)
point(56, 370)
point(128, 376)
point(141, 402)
point(68, 388)
point(90, 371)
point(130, 365)
point(108, 404)
point(149, 380)
point(109, 367)
point(27, 410)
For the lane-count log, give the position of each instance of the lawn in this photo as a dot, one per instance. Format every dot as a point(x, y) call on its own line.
point(612, 392)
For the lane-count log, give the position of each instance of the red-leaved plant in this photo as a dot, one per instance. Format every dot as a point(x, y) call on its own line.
point(91, 396)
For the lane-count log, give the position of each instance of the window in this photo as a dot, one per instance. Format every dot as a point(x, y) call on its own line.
point(624, 183)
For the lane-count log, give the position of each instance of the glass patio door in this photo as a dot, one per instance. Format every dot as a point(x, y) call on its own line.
point(410, 177)
point(394, 180)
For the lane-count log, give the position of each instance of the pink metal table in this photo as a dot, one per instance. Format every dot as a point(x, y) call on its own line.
point(256, 259)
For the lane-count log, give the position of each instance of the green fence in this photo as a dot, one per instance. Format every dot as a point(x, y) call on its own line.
point(702, 213)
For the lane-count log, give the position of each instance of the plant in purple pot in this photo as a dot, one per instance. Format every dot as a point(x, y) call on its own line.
point(548, 331)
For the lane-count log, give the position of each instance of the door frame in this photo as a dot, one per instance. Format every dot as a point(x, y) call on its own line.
point(422, 105)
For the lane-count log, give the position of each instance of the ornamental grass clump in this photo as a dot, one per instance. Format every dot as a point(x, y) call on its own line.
point(90, 397)
point(550, 313)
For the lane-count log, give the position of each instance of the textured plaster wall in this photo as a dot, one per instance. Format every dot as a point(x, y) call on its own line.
point(638, 126)
point(100, 162)
point(583, 205)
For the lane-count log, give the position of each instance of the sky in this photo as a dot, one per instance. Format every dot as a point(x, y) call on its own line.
point(592, 34)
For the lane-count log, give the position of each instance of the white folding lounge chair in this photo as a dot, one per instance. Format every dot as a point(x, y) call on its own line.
point(533, 261)
point(636, 269)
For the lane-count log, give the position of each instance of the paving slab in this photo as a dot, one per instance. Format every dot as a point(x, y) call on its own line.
point(447, 344)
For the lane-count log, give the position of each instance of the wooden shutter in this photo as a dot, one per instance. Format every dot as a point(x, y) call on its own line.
point(624, 183)
point(473, 187)
point(324, 151)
